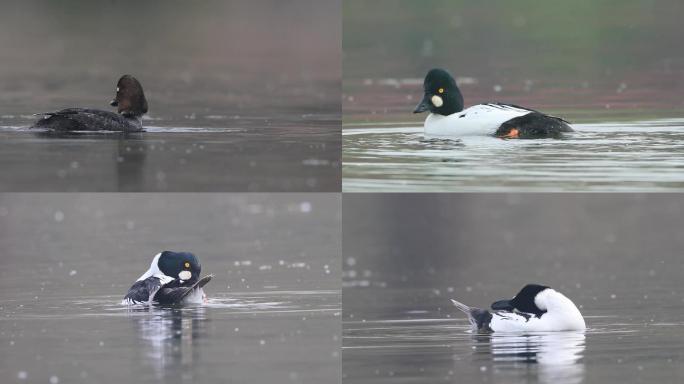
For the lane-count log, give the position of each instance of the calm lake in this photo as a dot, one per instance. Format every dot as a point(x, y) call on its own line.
point(274, 307)
point(406, 255)
point(643, 156)
point(616, 78)
point(226, 113)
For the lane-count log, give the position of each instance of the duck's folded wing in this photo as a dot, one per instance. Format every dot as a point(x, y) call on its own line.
point(513, 107)
point(143, 291)
point(82, 119)
point(175, 294)
point(505, 321)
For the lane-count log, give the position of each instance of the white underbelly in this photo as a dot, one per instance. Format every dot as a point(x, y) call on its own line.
point(478, 120)
point(547, 323)
point(195, 297)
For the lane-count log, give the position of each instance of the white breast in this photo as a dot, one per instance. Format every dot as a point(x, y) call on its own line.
point(561, 315)
point(195, 297)
point(478, 120)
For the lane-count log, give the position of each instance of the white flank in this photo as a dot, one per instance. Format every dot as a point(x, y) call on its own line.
point(478, 120)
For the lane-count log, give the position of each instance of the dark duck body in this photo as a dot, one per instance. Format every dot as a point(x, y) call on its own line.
point(131, 106)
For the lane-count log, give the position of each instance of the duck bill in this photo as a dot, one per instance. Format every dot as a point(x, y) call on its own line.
point(502, 305)
point(423, 106)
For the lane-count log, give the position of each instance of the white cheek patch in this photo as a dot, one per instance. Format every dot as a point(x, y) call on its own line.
point(437, 101)
point(185, 275)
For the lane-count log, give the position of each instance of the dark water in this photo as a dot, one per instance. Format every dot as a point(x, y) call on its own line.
point(274, 304)
point(288, 158)
point(617, 77)
point(243, 96)
point(406, 255)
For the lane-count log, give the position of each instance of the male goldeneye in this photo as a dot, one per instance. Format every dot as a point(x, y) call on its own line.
point(131, 106)
point(536, 308)
point(173, 278)
point(448, 118)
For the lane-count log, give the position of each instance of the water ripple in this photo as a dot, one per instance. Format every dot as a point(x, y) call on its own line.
point(635, 156)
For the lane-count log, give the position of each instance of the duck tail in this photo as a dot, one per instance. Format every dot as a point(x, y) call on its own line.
point(479, 318)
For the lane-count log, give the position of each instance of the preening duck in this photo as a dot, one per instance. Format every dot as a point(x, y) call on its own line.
point(173, 278)
point(536, 308)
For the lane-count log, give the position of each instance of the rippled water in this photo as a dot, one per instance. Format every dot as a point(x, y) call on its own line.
point(412, 346)
point(273, 313)
point(285, 156)
point(237, 335)
point(616, 256)
point(630, 156)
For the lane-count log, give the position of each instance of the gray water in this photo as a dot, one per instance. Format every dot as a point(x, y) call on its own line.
point(406, 255)
point(613, 74)
point(643, 156)
point(274, 303)
point(242, 96)
point(409, 343)
point(300, 157)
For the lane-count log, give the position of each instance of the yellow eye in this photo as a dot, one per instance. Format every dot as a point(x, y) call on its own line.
point(187, 265)
point(441, 90)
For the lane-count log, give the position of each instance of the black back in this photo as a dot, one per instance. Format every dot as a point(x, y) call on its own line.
point(174, 293)
point(523, 301)
point(534, 125)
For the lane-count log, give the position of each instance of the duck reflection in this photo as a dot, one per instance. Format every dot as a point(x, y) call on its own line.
point(115, 157)
point(170, 336)
point(131, 155)
point(555, 357)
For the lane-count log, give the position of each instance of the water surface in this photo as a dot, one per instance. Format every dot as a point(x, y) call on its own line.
point(426, 339)
point(273, 313)
point(242, 96)
point(620, 156)
point(617, 256)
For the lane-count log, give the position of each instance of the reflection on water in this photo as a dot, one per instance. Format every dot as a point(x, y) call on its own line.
point(556, 356)
point(170, 336)
point(636, 156)
point(406, 255)
point(224, 115)
point(274, 303)
point(305, 157)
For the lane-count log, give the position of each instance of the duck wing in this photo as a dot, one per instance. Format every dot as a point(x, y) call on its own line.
point(143, 291)
point(85, 119)
point(173, 293)
point(512, 107)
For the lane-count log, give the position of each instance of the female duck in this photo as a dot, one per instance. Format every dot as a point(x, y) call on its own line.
point(131, 106)
point(448, 118)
